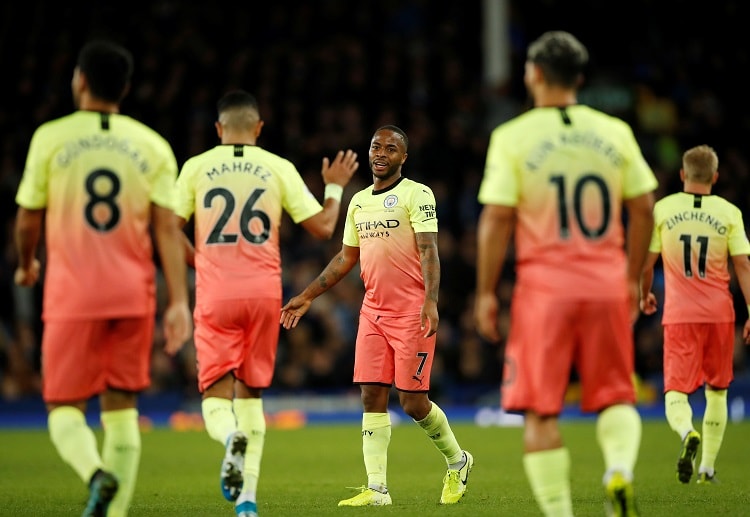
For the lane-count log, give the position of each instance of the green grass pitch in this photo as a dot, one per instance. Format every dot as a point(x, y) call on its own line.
point(306, 471)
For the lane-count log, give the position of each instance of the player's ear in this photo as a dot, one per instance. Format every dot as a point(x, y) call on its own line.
point(532, 73)
point(404, 158)
point(78, 81)
point(258, 128)
point(219, 129)
point(715, 178)
point(682, 174)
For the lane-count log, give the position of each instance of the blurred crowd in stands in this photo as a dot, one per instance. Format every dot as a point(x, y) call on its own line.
point(326, 75)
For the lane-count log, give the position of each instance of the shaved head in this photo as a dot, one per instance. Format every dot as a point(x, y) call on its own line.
point(238, 110)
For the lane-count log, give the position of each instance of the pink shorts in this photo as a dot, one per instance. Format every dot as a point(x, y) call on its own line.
point(237, 336)
point(698, 353)
point(393, 350)
point(83, 358)
point(550, 336)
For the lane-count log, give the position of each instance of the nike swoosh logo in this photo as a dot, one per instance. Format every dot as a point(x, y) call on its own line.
point(466, 478)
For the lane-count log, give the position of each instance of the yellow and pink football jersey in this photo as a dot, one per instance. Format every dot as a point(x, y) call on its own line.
point(695, 235)
point(236, 194)
point(382, 224)
point(566, 171)
point(96, 174)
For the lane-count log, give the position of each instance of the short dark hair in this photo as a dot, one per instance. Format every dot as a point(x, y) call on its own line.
point(108, 68)
point(236, 99)
point(561, 57)
point(398, 131)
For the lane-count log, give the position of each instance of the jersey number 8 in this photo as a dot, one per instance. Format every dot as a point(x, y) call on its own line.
point(100, 203)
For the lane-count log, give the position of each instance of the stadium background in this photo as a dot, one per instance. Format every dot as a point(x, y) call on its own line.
point(328, 73)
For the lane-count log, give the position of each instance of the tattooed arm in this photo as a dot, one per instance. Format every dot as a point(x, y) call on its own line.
point(336, 269)
point(428, 257)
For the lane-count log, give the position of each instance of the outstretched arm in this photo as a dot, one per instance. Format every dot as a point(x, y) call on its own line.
point(493, 236)
point(741, 265)
point(335, 176)
point(336, 269)
point(428, 257)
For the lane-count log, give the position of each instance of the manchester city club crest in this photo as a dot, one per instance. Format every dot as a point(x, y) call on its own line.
point(390, 201)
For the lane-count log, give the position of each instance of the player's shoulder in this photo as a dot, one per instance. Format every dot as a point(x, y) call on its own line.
point(413, 186)
point(605, 123)
point(422, 192)
point(371, 198)
point(60, 126)
point(720, 200)
point(724, 204)
point(410, 184)
point(197, 161)
point(256, 155)
point(271, 158)
point(685, 201)
point(517, 123)
point(674, 201)
point(281, 168)
point(209, 154)
point(670, 199)
point(540, 120)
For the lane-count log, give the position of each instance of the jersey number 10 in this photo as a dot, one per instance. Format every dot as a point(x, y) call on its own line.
point(562, 197)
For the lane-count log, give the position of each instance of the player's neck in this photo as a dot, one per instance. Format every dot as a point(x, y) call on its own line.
point(547, 97)
point(238, 137)
point(691, 187)
point(91, 104)
point(381, 184)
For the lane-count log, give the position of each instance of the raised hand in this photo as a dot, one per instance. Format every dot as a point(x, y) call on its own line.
point(341, 170)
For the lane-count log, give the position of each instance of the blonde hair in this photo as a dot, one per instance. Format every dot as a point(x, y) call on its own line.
point(700, 163)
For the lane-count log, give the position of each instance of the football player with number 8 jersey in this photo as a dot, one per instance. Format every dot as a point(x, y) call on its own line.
point(99, 181)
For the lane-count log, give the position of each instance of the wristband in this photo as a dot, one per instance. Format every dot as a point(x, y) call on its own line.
point(333, 191)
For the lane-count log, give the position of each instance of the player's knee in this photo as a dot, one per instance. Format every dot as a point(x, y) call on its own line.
point(416, 407)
